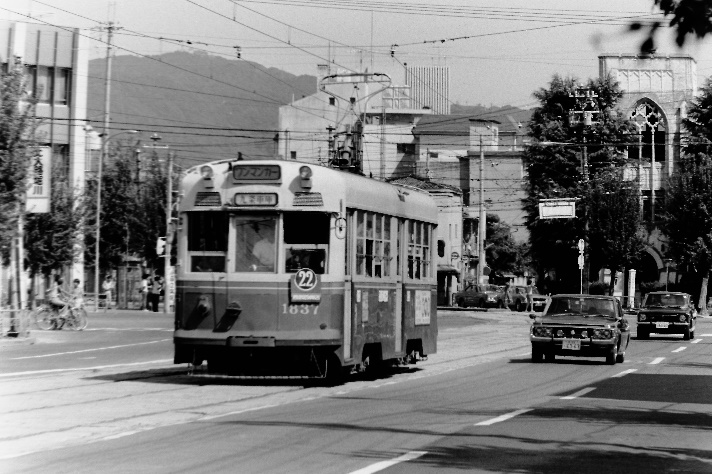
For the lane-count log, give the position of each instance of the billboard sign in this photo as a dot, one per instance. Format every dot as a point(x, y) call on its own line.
point(557, 208)
point(39, 181)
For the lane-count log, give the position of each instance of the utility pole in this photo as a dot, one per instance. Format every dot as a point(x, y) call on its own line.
point(585, 112)
point(483, 218)
point(168, 276)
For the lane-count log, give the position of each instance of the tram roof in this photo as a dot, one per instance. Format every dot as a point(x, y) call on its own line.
point(337, 188)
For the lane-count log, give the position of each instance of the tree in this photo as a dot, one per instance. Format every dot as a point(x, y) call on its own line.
point(615, 232)
point(553, 163)
point(687, 17)
point(133, 208)
point(504, 254)
point(687, 220)
point(17, 131)
point(52, 239)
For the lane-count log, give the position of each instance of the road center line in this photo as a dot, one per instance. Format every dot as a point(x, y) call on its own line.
point(657, 360)
point(581, 392)
point(90, 350)
point(504, 417)
point(625, 372)
point(680, 349)
point(696, 341)
point(379, 466)
point(705, 335)
point(77, 369)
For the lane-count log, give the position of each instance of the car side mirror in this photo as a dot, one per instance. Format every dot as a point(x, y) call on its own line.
point(532, 316)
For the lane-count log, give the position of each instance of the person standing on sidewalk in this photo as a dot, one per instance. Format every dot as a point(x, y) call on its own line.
point(530, 295)
point(145, 288)
point(108, 287)
point(155, 295)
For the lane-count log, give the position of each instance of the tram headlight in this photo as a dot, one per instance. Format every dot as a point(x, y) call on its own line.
point(207, 173)
point(305, 173)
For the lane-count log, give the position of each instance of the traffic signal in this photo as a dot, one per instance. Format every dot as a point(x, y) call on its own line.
point(160, 246)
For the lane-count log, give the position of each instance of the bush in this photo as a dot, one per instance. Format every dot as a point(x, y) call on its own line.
point(598, 288)
point(648, 286)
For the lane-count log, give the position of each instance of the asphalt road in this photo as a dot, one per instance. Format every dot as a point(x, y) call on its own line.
point(107, 401)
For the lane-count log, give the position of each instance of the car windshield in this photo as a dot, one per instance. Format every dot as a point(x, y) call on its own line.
point(576, 305)
point(664, 300)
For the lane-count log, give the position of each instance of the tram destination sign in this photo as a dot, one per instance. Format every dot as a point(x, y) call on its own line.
point(255, 199)
point(256, 173)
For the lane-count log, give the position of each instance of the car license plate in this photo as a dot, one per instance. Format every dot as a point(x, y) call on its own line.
point(661, 325)
point(571, 344)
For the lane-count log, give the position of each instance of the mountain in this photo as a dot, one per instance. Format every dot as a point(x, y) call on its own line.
point(204, 107)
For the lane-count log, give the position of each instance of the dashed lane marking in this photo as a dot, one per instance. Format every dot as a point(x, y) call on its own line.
point(625, 372)
point(581, 392)
point(696, 341)
point(680, 349)
point(502, 418)
point(379, 466)
point(91, 350)
point(657, 360)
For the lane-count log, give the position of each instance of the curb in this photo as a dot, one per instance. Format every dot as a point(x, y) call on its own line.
point(6, 340)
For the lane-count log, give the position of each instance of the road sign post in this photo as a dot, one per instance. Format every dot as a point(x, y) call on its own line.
point(581, 246)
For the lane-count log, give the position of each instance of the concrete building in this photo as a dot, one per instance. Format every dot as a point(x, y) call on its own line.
point(56, 63)
point(657, 92)
point(451, 261)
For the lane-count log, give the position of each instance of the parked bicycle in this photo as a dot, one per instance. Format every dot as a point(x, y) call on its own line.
point(71, 316)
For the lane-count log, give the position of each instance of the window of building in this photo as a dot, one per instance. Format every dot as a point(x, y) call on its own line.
point(652, 130)
point(293, 155)
point(43, 84)
point(62, 87)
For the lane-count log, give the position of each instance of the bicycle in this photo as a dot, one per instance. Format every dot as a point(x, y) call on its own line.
point(72, 316)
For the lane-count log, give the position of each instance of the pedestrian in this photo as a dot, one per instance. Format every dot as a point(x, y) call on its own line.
point(156, 289)
point(507, 294)
point(144, 292)
point(530, 295)
point(108, 287)
point(77, 293)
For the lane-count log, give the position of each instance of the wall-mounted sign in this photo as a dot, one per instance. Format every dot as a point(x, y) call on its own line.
point(39, 181)
point(454, 255)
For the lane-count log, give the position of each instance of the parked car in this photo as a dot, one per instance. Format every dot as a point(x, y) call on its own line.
point(666, 312)
point(481, 296)
point(519, 298)
point(582, 326)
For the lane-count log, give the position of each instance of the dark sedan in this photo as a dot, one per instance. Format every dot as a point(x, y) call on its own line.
point(666, 312)
point(581, 326)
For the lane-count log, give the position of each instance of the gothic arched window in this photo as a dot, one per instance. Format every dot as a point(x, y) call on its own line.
point(652, 130)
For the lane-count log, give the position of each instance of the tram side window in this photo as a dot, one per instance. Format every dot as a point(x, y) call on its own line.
point(374, 243)
point(306, 241)
point(418, 235)
point(207, 241)
point(255, 250)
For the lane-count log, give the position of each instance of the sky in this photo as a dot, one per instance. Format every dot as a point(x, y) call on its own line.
point(498, 51)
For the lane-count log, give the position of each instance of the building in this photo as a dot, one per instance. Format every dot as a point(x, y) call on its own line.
point(657, 91)
point(56, 62)
point(451, 261)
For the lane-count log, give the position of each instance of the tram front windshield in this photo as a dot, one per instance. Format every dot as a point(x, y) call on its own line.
point(305, 242)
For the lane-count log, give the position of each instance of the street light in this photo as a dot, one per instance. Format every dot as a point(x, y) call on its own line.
point(99, 174)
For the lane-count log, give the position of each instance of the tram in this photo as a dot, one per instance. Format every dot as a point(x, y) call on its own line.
point(287, 268)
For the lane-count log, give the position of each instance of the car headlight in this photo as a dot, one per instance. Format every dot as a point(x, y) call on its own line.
point(683, 318)
point(642, 317)
point(541, 332)
point(602, 334)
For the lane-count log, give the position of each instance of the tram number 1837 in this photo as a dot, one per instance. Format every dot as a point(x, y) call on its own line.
point(300, 308)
